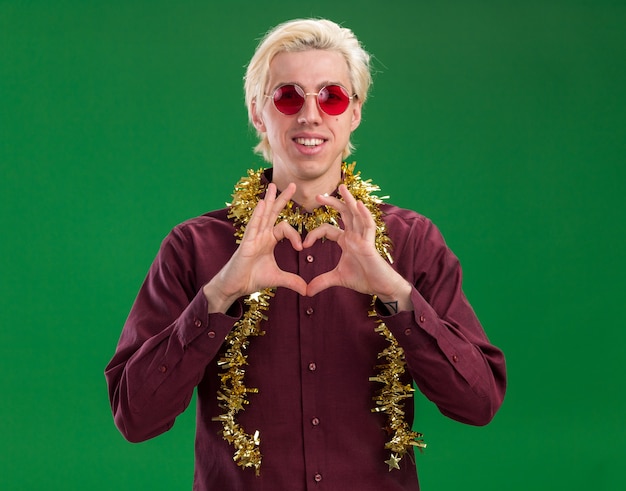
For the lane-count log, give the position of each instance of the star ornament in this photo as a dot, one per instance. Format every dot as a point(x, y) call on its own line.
point(393, 462)
point(256, 296)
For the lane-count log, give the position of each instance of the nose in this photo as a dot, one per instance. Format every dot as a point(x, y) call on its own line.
point(310, 112)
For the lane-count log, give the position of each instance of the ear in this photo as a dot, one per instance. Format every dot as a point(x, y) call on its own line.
point(256, 118)
point(356, 115)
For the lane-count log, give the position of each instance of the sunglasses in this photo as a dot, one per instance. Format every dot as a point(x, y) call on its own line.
point(332, 99)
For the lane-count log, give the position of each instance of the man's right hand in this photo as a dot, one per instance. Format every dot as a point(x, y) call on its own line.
point(253, 267)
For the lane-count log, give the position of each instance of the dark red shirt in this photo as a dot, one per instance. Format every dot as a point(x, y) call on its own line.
point(312, 366)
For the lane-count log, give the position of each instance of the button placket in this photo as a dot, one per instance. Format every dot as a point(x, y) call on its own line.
point(311, 264)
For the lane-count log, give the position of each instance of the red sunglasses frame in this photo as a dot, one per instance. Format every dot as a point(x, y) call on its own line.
point(323, 105)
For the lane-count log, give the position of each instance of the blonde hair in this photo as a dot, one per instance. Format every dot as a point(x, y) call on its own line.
point(302, 35)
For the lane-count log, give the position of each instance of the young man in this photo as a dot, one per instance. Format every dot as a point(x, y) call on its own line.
point(308, 302)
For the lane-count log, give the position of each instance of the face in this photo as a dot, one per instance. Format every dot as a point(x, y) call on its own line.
point(308, 145)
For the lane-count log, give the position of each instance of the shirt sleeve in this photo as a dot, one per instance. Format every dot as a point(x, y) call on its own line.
point(166, 344)
point(447, 351)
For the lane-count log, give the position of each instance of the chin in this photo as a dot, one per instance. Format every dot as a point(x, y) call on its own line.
point(314, 169)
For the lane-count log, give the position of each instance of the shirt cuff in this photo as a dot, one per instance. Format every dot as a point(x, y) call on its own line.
point(197, 326)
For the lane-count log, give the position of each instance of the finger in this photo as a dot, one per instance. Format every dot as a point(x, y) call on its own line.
point(322, 282)
point(285, 231)
point(259, 218)
point(275, 203)
point(269, 215)
point(331, 201)
point(360, 215)
point(367, 220)
point(285, 196)
point(326, 231)
point(293, 282)
point(347, 196)
point(348, 209)
point(347, 214)
point(351, 206)
point(254, 224)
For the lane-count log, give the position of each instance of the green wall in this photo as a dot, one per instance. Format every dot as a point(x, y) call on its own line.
point(502, 121)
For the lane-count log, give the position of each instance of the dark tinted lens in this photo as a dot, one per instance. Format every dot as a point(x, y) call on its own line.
point(287, 99)
point(334, 99)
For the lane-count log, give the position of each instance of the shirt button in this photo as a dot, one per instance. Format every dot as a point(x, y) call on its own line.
point(312, 367)
point(407, 332)
point(309, 311)
point(315, 421)
point(211, 334)
point(310, 259)
point(455, 358)
point(422, 318)
point(197, 322)
point(162, 369)
point(317, 477)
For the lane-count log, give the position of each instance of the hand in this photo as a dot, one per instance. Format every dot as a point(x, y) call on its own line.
point(253, 266)
point(360, 267)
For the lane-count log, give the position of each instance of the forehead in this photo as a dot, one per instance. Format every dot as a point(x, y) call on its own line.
point(310, 69)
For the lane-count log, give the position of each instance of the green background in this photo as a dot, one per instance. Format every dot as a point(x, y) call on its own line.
point(502, 121)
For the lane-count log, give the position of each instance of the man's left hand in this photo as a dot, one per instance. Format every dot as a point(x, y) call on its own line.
point(360, 267)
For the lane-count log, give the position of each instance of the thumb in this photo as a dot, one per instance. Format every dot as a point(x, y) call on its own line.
point(293, 282)
point(322, 282)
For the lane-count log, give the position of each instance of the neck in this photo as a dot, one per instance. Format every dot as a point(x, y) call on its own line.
point(307, 188)
point(305, 195)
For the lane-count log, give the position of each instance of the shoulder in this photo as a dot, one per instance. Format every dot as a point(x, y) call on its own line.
point(393, 212)
point(216, 218)
point(198, 247)
point(412, 231)
point(403, 221)
point(213, 226)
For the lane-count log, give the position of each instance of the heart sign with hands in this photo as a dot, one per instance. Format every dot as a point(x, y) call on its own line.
point(361, 268)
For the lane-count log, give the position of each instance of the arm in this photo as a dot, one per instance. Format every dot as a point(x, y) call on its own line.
point(174, 331)
point(446, 349)
point(167, 341)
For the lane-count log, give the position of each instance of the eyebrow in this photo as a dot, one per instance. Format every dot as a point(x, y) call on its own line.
point(319, 86)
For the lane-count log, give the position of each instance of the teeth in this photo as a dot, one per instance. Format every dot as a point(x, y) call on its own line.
point(309, 142)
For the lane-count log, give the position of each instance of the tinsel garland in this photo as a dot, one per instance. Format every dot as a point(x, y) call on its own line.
point(232, 396)
point(390, 398)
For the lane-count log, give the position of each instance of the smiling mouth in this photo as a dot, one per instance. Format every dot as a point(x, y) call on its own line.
point(309, 142)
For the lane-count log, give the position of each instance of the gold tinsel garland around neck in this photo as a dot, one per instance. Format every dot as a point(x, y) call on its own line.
point(233, 392)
